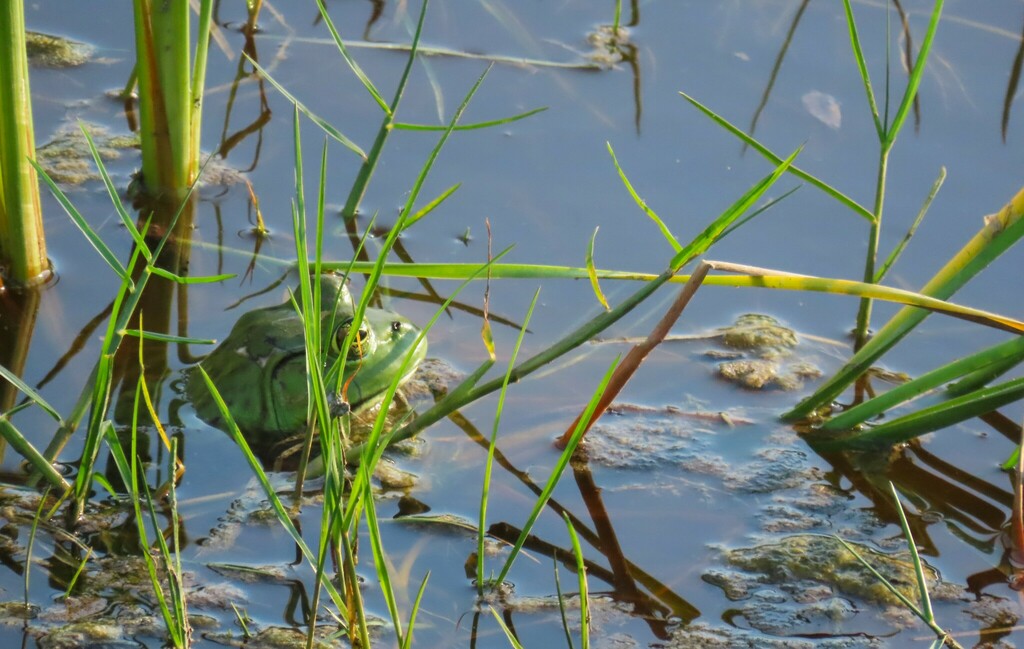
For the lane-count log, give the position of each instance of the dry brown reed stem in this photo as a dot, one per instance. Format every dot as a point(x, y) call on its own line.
point(639, 352)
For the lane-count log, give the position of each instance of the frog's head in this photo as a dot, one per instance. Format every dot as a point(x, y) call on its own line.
point(376, 355)
point(260, 368)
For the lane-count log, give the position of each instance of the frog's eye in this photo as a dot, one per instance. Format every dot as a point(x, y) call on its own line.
point(362, 342)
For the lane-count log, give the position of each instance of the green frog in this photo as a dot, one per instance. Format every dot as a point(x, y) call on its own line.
point(260, 368)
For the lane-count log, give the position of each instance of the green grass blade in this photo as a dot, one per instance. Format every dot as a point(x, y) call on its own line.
point(365, 80)
point(930, 419)
point(764, 278)
point(898, 250)
point(504, 627)
point(665, 232)
point(885, 582)
point(380, 563)
point(592, 273)
point(31, 544)
point(858, 55)
point(91, 236)
point(167, 338)
point(985, 375)
point(115, 196)
point(129, 476)
point(415, 610)
point(556, 472)
point(316, 119)
point(999, 232)
point(261, 476)
point(429, 207)
point(198, 84)
point(581, 575)
point(405, 126)
point(485, 489)
point(198, 279)
point(371, 283)
point(915, 76)
point(860, 413)
point(767, 153)
point(588, 330)
point(764, 208)
point(25, 449)
point(362, 181)
point(78, 573)
point(561, 605)
point(714, 230)
point(29, 392)
point(922, 584)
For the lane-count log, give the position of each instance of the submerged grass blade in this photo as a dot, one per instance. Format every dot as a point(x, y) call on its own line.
point(880, 577)
point(561, 605)
point(922, 584)
point(31, 543)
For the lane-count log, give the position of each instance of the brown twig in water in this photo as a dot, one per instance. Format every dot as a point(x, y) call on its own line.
point(639, 352)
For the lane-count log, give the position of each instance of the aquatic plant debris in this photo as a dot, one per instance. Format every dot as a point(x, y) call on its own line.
point(51, 51)
point(67, 159)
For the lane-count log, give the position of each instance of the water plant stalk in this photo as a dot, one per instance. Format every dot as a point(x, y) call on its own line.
point(22, 241)
point(170, 92)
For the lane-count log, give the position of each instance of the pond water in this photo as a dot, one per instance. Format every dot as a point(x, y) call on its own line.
point(677, 511)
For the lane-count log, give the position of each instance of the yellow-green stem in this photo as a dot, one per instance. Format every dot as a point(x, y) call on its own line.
point(165, 96)
point(22, 243)
point(864, 313)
